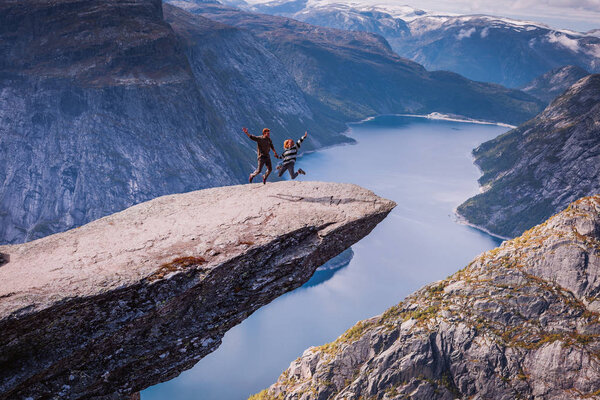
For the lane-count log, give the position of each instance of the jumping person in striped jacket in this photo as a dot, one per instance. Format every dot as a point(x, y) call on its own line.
point(289, 157)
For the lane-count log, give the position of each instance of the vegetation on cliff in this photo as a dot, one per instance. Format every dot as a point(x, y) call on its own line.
point(520, 321)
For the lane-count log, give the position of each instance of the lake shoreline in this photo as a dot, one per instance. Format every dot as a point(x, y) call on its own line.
point(463, 221)
point(443, 117)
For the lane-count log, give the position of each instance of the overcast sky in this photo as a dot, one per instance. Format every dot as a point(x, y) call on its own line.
point(581, 15)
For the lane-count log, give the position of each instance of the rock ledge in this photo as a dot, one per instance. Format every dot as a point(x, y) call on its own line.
point(132, 299)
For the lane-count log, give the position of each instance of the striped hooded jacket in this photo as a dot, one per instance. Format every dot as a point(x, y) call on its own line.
point(289, 155)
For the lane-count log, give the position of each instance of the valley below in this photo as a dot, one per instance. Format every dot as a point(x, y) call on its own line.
point(426, 168)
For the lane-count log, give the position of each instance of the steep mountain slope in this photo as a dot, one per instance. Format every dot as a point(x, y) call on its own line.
point(244, 81)
point(520, 321)
point(479, 47)
point(554, 82)
point(104, 105)
point(536, 169)
point(356, 74)
point(99, 110)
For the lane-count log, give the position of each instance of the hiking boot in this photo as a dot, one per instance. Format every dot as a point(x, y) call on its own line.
point(250, 179)
point(264, 179)
point(301, 171)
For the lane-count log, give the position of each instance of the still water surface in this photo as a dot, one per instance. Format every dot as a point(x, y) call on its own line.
point(423, 165)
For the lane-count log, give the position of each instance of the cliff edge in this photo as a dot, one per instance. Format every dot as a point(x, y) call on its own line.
point(133, 299)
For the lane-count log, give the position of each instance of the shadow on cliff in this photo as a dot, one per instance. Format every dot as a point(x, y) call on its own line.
point(324, 199)
point(4, 259)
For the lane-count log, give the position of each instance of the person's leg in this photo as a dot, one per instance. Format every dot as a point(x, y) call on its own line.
point(284, 169)
point(267, 162)
point(257, 170)
point(293, 173)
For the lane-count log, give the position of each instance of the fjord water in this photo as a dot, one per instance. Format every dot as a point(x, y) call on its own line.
point(423, 165)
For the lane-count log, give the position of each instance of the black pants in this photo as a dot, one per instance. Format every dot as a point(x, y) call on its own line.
point(288, 167)
point(262, 161)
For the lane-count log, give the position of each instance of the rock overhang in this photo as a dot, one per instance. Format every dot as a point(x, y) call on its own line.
point(172, 274)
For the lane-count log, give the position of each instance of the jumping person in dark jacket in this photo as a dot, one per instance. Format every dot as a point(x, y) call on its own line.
point(264, 145)
point(289, 157)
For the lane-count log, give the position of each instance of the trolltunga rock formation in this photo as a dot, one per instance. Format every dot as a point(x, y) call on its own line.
point(132, 299)
point(521, 321)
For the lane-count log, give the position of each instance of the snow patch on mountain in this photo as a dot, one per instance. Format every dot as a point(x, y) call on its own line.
point(465, 33)
point(564, 40)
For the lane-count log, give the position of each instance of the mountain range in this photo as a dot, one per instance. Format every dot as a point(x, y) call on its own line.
point(357, 74)
point(480, 47)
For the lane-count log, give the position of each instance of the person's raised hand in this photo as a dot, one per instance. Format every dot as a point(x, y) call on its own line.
point(305, 134)
point(245, 130)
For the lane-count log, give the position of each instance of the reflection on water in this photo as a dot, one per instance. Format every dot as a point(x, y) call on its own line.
point(327, 270)
point(423, 165)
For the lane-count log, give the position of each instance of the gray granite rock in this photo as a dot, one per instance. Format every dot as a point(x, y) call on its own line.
point(133, 299)
point(519, 322)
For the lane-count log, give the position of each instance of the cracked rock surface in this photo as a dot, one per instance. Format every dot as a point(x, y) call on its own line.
point(133, 299)
point(521, 321)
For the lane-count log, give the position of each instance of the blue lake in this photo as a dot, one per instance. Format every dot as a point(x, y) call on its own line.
point(426, 167)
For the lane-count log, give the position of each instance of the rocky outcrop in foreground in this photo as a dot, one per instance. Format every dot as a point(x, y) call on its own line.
point(537, 169)
point(135, 298)
point(520, 322)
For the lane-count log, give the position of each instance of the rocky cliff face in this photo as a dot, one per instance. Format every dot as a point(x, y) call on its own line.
point(554, 82)
point(520, 321)
point(135, 298)
point(536, 169)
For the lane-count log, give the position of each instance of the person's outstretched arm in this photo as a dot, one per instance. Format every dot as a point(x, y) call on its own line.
point(274, 151)
point(245, 130)
point(302, 138)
